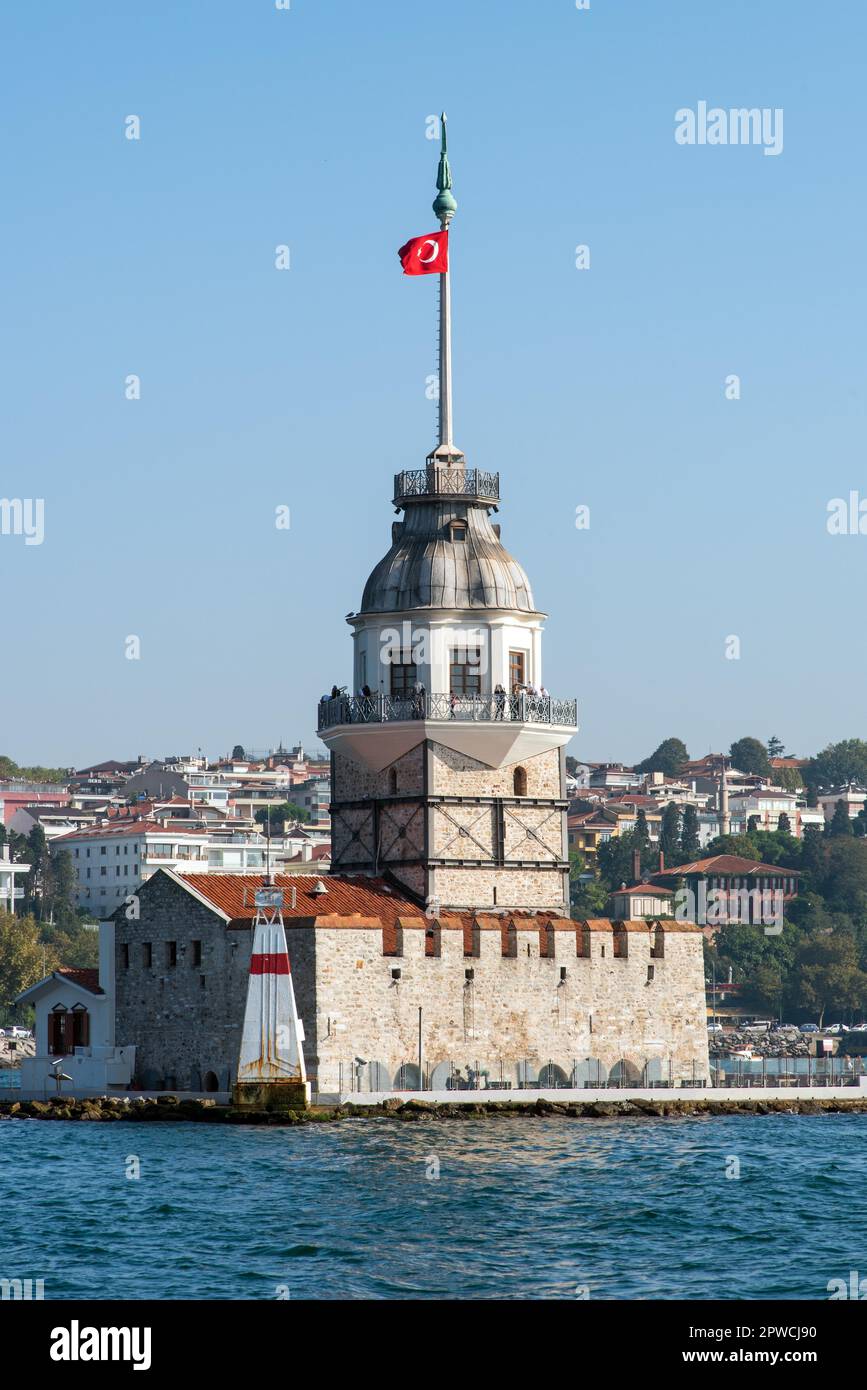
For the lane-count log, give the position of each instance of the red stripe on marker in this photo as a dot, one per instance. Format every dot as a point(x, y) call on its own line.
point(269, 965)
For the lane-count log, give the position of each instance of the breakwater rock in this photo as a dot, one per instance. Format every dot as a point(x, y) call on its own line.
point(168, 1109)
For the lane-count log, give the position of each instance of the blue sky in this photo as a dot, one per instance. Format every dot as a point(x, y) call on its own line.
point(306, 388)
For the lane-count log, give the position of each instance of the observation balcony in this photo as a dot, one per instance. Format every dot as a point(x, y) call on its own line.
point(436, 482)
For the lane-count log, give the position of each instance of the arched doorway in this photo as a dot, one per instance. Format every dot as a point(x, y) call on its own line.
point(625, 1073)
point(378, 1077)
point(590, 1073)
point(407, 1078)
point(441, 1076)
point(551, 1075)
point(210, 1081)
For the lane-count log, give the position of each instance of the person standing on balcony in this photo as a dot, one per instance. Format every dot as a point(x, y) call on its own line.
point(499, 701)
point(418, 700)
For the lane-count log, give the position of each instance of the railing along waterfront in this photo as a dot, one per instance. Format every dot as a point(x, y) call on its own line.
point(436, 481)
point(382, 709)
point(591, 1074)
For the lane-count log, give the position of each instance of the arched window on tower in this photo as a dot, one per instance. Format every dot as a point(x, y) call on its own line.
point(392, 782)
point(520, 781)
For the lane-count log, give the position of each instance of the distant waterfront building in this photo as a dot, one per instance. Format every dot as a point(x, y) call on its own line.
point(733, 874)
point(11, 891)
point(112, 860)
point(642, 900)
point(853, 797)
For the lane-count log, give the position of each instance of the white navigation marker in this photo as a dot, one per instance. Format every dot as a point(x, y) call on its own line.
point(271, 1064)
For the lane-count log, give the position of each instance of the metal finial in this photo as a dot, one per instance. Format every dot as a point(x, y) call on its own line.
point(444, 204)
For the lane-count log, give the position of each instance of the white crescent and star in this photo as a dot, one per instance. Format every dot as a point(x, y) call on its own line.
point(426, 260)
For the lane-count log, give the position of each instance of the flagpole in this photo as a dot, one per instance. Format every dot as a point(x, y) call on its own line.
point(445, 357)
point(445, 207)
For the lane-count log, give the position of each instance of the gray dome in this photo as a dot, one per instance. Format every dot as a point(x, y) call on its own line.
point(425, 568)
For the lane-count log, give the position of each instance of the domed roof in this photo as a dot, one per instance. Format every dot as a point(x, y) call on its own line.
point(427, 568)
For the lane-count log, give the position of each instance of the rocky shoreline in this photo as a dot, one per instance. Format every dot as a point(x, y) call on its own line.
point(170, 1108)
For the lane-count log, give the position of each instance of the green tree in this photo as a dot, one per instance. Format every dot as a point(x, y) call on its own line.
point(238, 754)
point(585, 899)
point(744, 845)
point(839, 764)
point(784, 824)
point(75, 945)
point(750, 755)
point(641, 834)
point(668, 758)
point(776, 748)
point(614, 858)
point(829, 977)
point(286, 812)
point(9, 771)
point(840, 822)
point(689, 838)
point(669, 834)
point(24, 957)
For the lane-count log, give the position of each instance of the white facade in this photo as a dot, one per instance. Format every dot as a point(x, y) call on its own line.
point(431, 636)
point(10, 891)
point(98, 1066)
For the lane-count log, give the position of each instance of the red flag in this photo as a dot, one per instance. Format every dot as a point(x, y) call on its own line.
point(426, 255)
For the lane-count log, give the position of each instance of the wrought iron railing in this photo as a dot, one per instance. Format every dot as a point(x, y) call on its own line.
point(436, 481)
point(381, 709)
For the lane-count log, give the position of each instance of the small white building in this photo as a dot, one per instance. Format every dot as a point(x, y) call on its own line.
point(10, 891)
point(75, 1027)
point(642, 900)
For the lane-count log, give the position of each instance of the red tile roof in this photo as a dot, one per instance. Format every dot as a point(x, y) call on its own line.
point(123, 827)
point(644, 888)
point(726, 864)
point(345, 896)
point(78, 975)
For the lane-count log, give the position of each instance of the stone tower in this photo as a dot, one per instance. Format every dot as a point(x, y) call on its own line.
point(448, 765)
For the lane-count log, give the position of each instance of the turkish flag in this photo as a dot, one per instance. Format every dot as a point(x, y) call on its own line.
point(426, 255)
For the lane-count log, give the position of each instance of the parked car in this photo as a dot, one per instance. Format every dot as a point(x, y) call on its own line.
point(809, 1028)
point(715, 1028)
point(17, 1032)
point(835, 1029)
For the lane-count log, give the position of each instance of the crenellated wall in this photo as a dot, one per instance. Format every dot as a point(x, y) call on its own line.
point(620, 1000)
point(516, 1013)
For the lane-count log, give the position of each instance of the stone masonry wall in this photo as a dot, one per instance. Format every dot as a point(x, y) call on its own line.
point(514, 1012)
point(497, 888)
point(352, 780)
point(182, 1029)
point(456, 774)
